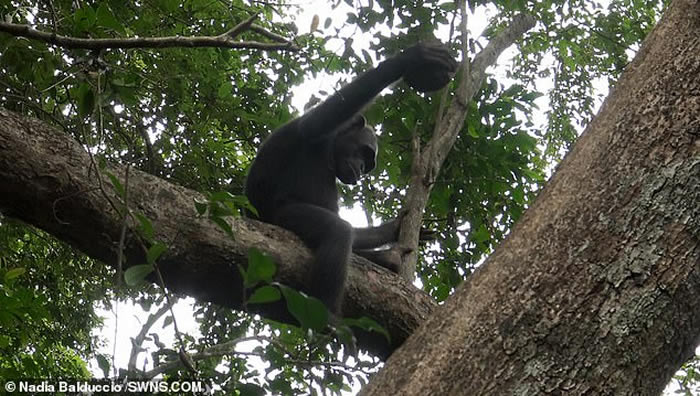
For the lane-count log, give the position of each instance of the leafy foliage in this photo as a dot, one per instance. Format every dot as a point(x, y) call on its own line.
point(44, 319)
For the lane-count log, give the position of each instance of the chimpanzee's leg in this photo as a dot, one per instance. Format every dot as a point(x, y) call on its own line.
point(330, 238)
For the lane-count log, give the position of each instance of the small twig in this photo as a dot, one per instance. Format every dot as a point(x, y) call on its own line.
point(116, 333)
point(54, 204)
point(415, 150)
point(169, 301)
point(150, 154)
point(52, 11)
point(245, 25)
point(122, 234)
point(266, 33)
point(227, 348)
point(139, 339)
point(466, 65)
point(23, 100)
point(170, 304)
point(220, 41)
point(445, 90)
point(488, 56)
point(69, 75)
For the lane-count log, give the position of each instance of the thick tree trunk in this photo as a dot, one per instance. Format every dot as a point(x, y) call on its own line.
point(48, 180)
point(596, 290)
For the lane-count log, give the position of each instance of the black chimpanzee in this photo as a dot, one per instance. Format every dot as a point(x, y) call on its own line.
point(292, 180)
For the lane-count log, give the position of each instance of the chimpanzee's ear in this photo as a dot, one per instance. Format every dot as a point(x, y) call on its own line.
point(359, 121)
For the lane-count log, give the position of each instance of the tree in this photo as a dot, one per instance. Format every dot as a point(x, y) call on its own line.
point(593, 288)
point(124, 216)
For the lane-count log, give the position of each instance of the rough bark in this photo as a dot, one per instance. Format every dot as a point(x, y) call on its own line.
point(47, 180)
point(596, 290)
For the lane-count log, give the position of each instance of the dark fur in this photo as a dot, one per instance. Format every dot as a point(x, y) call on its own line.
point(292, 182)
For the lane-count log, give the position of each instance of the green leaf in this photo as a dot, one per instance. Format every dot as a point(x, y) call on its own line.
point(86, 100)
point(154, 252)
point(106, 18)
point(250, 390)
point(224, 90)
point(366, 57)
point(117, 184)
point(533, 175)
point(265, 294)
point(374, 114)
point(127, 93)
point(347, 338)
point(84, 19)
point(481, 234)
point(103, 363)
point(368, 324)
point(14, 273)
point(260, 268)
point(168, 321)
point(145, 226)
point(309, 311)
point(137, 274)
point(221, 196)
point(200, 207)
point(471, 129)
point(244, 274)
point(223, 225)
point(518, 196)
point(169, 5)
point(241, 201)
point(219, 209)
point(146, 305)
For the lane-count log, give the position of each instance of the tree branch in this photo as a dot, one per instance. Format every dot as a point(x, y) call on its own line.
point(137, 342)
point(221, 41)
point(238, 29)
point(443, 139)
point(264, 32)
point(46, 181)
point(426, 167)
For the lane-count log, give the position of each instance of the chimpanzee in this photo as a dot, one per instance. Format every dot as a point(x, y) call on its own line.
point(292, 182)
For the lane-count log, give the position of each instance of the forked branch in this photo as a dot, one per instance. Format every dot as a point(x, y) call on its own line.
point(225, 40)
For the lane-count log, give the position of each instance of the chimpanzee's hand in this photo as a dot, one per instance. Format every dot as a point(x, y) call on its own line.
point(393, 227)
point(429, 66)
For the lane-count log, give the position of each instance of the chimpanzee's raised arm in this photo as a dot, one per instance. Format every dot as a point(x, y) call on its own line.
point(292, 182)
point(425, 66)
